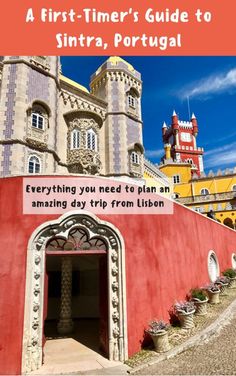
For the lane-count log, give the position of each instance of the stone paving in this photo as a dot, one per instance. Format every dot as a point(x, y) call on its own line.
point(214, 357)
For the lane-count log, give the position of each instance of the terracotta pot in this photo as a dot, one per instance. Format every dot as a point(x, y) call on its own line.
point(214, 297)
point(186, 319)
point(201, 306)
point(161, 341)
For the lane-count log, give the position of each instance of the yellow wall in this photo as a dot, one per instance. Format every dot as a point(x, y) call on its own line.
point(214, 185)
point(155, 182)
point(184, 171)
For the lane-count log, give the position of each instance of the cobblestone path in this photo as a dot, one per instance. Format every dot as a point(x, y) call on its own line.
point(214, 357)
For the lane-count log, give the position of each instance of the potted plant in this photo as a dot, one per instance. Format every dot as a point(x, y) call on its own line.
point(158, 331)
point(231, 274)
point(213, 291)
point(222, 282)
point(200, 298)
point(185, 311)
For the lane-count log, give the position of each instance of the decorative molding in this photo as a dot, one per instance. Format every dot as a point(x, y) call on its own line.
point(40, 62)
point(80, 104)
point(116, 75)
point(32, 352)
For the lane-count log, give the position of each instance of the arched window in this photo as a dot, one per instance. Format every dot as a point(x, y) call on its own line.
point(75, 139)
point(34, 165)
point(135, 158)
point(234, 188)
point(91, 140)
point(205, 191)
point(213, 266)
point(131, 101)
point(39, 116)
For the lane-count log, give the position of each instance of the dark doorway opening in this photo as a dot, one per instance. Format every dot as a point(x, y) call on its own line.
point(89, 303)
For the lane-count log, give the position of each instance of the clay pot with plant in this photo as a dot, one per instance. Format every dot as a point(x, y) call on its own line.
point(223, 283)
point(231, 275)
point(185, 311)
point(213, 291)
point(158, 330)
point(200, 299)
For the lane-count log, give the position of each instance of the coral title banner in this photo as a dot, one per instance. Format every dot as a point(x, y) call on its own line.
point(164, 27)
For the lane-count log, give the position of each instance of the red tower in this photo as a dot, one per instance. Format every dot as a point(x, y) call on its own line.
point(181, 136)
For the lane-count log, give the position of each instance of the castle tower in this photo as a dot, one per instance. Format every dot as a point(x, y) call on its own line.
point(28, 109)
point(119, 84)
point(181, 136)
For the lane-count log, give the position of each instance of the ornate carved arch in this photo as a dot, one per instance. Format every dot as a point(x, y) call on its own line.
point(35, 270)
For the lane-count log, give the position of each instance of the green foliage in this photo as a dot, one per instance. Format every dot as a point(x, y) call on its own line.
point(198, 293)
point(230, 273)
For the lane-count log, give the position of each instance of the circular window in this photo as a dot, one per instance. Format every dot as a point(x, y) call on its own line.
point(213, 266)
point(233, 261)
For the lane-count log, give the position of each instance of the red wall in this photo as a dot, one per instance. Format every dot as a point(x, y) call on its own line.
point(166, 255)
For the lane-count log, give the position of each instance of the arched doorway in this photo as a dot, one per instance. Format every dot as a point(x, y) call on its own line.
point(75, 233)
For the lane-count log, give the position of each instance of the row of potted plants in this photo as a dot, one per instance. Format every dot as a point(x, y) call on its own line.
point(198, 299)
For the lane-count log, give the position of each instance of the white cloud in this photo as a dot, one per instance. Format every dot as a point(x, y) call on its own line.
point(154, 153)
point(222, 156)
point(214, 84)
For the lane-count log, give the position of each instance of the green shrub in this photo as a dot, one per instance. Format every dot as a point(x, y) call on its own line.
point(230, 273)
point(198, 293)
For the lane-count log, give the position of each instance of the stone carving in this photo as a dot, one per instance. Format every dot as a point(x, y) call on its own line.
point(115, 316)
point(78, 104)
point(112, 241)
point(70, 223)
point(36, 144)
point(83, 161)
point(116, 332)
point(41, 62)
point(37, 260)
point(114, 256)
point(35, 307)
point(36, 290)
point(115, 286)
point(36, 275)
point(115, 301)
point(114, 270)
point(33, 325)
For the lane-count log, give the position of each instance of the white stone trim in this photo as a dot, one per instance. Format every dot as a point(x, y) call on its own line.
point(233, 260)
point(34, 292)
point(212, 258)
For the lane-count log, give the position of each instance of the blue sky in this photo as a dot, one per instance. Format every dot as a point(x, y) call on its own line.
point(210, 83)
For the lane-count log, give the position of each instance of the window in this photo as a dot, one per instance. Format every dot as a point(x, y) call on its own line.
point(186, 137)
point(176, 179)
point(198, 209)
point(75, 139)
point(213, 266)
point(175, 195)
point(34, 165)
point(91, 140)
point(234, 188)
point(189, 160)
point(135, 157)
point(37, 120)
point(131, 101)
point(204, 192)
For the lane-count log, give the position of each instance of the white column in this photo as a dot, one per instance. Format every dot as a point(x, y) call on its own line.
point(65, 324)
